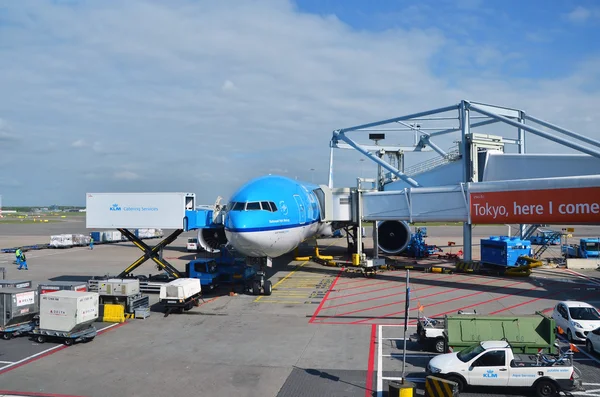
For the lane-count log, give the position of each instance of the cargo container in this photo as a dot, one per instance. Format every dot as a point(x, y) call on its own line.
point(61, 241)
point(180, 289)
point(97, 236)
point(52, 286)
point(119, 287)
point(17, 306)
point(180, 294)
point(15, 283)
point(68, 311)
point(526, 333)
point(504, 251)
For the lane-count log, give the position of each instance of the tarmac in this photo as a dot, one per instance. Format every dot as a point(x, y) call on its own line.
point(321, 332)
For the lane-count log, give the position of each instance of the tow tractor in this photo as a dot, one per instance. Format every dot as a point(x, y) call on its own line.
point(495, 364)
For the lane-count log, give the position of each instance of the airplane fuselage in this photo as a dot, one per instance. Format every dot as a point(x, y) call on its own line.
point(271, 215)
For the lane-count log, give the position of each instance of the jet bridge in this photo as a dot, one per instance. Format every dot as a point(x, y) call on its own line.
point(472, 183)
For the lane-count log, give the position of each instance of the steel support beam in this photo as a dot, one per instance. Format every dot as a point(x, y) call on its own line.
point(338, 145)
point(330, 183)
point(467, 163)
point(408, 117)
point(401, 175)
point(475, 125)
point(563, 130)
point(538, 132)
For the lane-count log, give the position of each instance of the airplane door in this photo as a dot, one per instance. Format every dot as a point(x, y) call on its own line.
point(301, 210)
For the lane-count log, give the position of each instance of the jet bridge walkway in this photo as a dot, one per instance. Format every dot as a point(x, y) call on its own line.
point(566, 200)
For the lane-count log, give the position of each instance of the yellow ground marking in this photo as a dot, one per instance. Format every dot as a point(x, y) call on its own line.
point(288, 276)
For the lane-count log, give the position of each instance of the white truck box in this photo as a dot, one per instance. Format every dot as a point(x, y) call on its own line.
point(119, 287)
point(180, 289)
point(68, 311)
point(137, 210)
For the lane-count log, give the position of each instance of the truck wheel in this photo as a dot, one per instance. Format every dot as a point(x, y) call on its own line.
point(459, 382)
point(268, 288)
point(255, 288)
point(68, 342)
point(6, 335)
point(439, 345)
point(546, 388)
point(40, 339)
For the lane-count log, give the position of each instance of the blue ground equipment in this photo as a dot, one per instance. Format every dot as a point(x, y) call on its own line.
point(546, 237)
point(504, 250)
point(587, 248)
point(417, 247)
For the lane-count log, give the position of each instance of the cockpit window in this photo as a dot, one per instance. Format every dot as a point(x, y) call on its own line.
point(237, 206)
point(253, 206)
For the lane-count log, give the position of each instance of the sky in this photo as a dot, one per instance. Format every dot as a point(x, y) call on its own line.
point(201, 96)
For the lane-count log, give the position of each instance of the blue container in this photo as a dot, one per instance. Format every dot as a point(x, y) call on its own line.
point(504, 251)
point(95, 236)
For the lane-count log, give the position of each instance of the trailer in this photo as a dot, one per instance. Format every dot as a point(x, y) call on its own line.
point(11, 331)
point(526, 333)
point(67, 316)
point(67, 338)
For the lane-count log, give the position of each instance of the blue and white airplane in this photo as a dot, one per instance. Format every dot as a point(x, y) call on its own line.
point(271, 215)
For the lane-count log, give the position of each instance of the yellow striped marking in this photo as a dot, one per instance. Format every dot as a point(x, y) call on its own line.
point(286, 302)
point(283, 279)
point(259, 299)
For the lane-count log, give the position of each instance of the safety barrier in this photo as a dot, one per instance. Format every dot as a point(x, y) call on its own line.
point(404, 389)
point(113, 313)
point(468, 267)
point(438, 387)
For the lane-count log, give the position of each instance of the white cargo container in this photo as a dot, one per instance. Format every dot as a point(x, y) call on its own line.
point(61, 240)
point(119, 287)
point(68, 311)
point(180, 294)
point(180, 289)
point(137, 210)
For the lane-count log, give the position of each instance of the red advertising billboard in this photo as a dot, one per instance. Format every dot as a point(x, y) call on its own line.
point(552, 206)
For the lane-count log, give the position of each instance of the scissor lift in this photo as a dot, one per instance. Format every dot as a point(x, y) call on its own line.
point(151, 253)
point(128, 211)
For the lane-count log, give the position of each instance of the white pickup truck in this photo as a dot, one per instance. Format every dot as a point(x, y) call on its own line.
point(493, 363)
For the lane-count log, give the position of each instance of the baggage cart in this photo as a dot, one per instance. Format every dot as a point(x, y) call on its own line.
point(67, 338)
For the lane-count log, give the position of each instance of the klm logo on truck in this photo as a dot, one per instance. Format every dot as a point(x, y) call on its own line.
point(115, 207)
point(490, 374)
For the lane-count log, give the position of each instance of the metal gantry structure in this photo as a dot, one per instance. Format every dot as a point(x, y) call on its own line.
point(470, 116)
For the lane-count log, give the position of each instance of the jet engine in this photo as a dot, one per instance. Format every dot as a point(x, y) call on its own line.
point(394, 236)
point(212, 239)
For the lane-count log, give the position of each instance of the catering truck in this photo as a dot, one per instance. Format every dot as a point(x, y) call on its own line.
point(496, 364)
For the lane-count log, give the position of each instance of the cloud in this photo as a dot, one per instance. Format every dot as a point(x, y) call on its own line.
point(580, 14)
point(6, 134)
point(79, 143)
point(126, 175)
point(227, 92)
point(228, 86)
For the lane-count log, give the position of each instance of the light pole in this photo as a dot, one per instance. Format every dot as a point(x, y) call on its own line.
point(312, 175)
